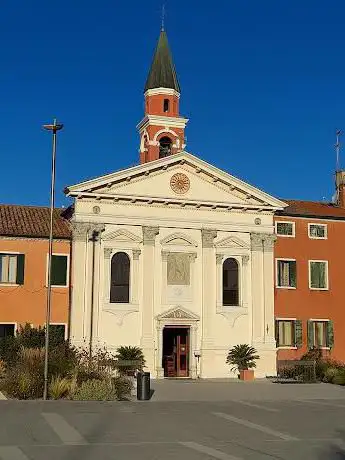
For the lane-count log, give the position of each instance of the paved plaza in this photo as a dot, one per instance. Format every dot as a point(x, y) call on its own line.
point(184, 420)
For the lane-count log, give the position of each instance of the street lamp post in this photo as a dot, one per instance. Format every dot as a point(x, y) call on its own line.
point(54, 128)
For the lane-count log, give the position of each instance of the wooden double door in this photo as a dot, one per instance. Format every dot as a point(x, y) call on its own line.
point(176, 351)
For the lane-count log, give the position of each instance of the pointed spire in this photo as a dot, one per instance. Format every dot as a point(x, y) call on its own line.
point(162, 73)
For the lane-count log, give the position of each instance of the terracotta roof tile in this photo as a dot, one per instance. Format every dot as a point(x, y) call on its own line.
point(32, 221)
point(312, 209)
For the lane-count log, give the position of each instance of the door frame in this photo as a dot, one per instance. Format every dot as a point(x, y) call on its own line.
point(188, 355)
point(177, 317)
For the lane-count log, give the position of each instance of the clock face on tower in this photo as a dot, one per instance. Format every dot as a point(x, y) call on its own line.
point(180, 183)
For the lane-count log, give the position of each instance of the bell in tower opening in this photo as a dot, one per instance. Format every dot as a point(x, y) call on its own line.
point(165, 147)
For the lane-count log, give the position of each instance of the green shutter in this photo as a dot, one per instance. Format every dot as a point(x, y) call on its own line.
point(293, 273)
point(59, 270)
point(330, 334)
point(310, 334)
point(20, 268)
point(277, 332)
point(298, 334)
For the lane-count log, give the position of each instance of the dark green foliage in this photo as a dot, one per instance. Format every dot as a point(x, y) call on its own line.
point(129, 359)
point(339, 378)
point(242, 357)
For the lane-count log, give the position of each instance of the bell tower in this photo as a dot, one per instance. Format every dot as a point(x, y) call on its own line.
point(162, 128)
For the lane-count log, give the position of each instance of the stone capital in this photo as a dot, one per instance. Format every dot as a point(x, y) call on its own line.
point(80, 230)
point(149, 235)
point(107, 253)
point(219, 258)
point(269, 241)
point(208, 236)
point(136, 253)
point(165, 255)
point(245, 259)
point(257, 240)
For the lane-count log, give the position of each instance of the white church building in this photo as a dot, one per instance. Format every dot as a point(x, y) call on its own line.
point(173, 255)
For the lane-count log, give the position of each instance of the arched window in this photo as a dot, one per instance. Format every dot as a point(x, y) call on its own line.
point(119, 287)
point(230, 282)
point(166, 105)
point(165, 147)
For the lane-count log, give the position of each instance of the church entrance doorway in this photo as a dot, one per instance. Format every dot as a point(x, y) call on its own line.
point(176, 351)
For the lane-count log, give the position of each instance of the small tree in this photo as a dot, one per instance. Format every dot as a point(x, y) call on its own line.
point(242, 357)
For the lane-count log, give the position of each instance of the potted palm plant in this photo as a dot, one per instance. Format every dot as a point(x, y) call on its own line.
point(129, 360)
point(243, 358)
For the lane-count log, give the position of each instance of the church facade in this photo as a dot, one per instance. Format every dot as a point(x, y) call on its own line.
point(173, 255)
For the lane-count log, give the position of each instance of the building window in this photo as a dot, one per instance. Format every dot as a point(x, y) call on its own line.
point(120, 273)
point(166, 105)
point(285, 228)
point(57, 333)
point(59, 270)
point(230, 282)
point(317, 231)
point(7, 330)
point(320, 334)
point(286, 273)
point(165, 147)
point(289, 333)
point(318, 274)
point(12, 268)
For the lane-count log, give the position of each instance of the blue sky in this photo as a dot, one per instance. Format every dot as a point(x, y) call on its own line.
point(262, 83)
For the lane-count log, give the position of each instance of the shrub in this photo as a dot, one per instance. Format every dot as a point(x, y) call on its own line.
point(329, 374)
point(60, 387)
point(2, 368)
point(242, 357)
point(95, 390)
point(123, 388)
point(22, 383)
point(129, 359)
point(339, 378)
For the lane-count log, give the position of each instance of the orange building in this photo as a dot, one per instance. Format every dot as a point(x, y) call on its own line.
point(309, 283)
point(24, 238)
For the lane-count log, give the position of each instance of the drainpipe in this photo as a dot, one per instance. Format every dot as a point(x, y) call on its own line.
point(69, 292)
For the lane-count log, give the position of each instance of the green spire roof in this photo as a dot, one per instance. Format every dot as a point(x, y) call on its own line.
point(162, 73)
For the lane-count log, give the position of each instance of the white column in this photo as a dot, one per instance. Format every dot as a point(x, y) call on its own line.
point(159, 351)
point(244, 278)
point(269, 336)
point(79, 276)
point(219, 281)
point(193, 347)
point(164, 287)
point(107, 274)
point(263, 303)
point(208, 300)
point(147, 338)
point(257, 288)
point(135, 278)
point(93, 290)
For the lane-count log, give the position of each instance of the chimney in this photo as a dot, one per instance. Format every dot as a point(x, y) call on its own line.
point(340, 188)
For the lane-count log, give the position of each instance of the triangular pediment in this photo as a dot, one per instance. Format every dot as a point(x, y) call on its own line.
point(232, 242)
point(121, 236)
point(181, 178)
point(178, 239)
point(178, 313)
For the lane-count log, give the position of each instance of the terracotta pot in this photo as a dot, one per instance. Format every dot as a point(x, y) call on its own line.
point(247, 375)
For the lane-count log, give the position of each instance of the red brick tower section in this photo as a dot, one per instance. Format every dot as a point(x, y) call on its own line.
point(162, 129)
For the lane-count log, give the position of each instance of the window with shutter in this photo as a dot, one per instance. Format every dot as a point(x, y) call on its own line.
point(285, 333)
point(318, 274)
point(59, 269)
point(230, 282)
point(120, 278)
point(286, 273)
point(12, 268)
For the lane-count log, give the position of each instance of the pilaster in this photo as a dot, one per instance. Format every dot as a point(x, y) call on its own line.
point(147, 338)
